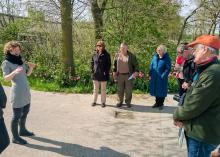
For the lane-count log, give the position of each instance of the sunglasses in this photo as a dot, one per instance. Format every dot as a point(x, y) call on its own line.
point(184, 48)
point(98, 45)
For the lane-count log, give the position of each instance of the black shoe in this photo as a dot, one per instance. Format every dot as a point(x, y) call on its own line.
point(93, 104)
point(119, 104)
point(14, 129)
point(103, 104)
point(161, 106)
point(26, 133)
point(128, 105)
point(155, 105)
point(19, 140)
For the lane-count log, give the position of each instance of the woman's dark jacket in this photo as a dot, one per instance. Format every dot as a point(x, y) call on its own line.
point(100, 66)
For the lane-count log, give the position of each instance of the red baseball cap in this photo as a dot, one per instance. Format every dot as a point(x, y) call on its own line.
point(208, 40)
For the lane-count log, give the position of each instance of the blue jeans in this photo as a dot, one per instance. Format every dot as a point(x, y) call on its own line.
point(199, 149)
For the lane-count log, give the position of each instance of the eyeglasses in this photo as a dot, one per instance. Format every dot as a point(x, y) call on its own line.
point(184, 48)
point(98, 45)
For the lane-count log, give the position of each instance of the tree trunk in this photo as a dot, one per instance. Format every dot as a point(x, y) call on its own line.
point(67, 40)
point(219, 30)
point(214, 28)
point(214, 23)
point(210, 29)
point(97, 14)
point(185, 21)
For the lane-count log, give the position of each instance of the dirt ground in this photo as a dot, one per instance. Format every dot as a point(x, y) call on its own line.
point(67, 125)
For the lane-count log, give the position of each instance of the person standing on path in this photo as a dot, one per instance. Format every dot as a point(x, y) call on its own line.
point(125, 69)
point(100, 68)
point(15, 70)
point(200, 113)
point(158, 75)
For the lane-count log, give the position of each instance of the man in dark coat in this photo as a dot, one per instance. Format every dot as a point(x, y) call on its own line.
point(200, 113)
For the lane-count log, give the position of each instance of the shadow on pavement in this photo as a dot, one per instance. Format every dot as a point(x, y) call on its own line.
point(74, 150)
point(143, 108)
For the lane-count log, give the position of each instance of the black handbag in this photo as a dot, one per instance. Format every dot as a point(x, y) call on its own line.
point(3, 97)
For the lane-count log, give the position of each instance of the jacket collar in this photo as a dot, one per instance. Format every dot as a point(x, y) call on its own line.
point(201, 67)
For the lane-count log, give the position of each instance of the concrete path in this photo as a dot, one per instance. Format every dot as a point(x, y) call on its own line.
point(67, 125)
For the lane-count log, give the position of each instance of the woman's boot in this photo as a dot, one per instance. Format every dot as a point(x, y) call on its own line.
point(23, 130)
point(16, 138)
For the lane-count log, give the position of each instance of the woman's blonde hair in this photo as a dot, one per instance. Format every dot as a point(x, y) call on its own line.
point(101, 42)
point(11, 45)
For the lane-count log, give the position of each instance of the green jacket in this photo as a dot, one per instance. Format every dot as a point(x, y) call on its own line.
point(200, 112)
point(132, 63)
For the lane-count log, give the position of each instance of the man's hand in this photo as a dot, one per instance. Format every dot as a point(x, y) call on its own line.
point(185, 85)
point(178, 123)
point(215, 153)
point(135, 74)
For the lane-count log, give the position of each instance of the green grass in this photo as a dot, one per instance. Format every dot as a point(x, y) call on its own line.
point(49, 86)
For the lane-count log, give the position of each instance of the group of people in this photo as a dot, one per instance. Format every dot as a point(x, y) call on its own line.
point(125, 66)
point(199, 112)
point(125, 69)
point(198, 75)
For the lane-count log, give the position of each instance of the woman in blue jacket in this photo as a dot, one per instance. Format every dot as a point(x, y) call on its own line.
point(159, 70)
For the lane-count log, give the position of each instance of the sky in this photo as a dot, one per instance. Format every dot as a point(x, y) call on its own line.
point(189, 5)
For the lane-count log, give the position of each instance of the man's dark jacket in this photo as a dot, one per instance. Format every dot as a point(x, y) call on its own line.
point(200, 112)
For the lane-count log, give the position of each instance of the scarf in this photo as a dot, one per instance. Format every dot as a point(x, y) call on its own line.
point(14, 59)
point(202, 66)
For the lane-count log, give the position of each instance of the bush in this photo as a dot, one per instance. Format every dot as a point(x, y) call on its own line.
point(43, 48)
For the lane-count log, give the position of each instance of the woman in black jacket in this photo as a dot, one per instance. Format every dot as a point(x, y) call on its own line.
point(100, 67)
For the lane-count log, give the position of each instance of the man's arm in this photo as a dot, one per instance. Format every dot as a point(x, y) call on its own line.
point(198, 100)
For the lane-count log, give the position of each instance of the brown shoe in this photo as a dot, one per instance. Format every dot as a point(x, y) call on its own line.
point(128, 105)
point(119, 104)
point(103, 104)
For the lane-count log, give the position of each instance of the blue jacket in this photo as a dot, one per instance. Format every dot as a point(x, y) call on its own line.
point(159, 71)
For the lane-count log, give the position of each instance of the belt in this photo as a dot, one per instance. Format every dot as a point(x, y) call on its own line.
point(123, 73)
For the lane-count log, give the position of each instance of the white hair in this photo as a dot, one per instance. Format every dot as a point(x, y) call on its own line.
point(211, 49)
point(163, 47)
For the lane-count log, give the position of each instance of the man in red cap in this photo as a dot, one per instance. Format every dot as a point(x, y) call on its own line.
point(200, 113)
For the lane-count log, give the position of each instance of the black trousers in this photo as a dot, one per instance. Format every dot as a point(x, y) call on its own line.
point(20, 113)
point(181, 90)
point(160, 101)
point(4, 138)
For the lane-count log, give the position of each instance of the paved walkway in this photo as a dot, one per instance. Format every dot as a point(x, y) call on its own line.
point(66, 125)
